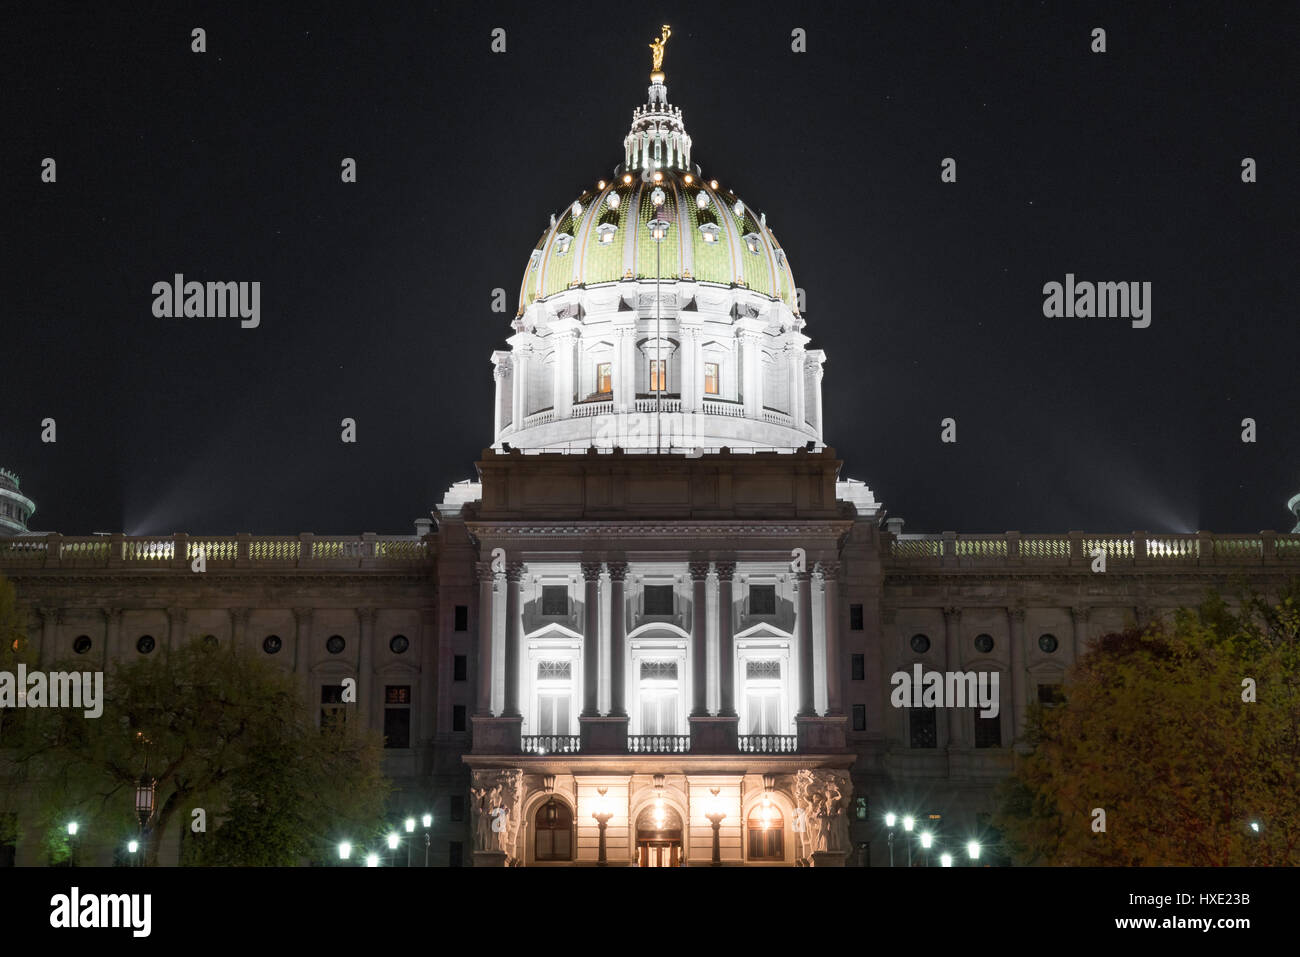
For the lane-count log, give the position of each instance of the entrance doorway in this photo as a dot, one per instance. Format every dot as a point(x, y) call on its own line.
point(659, 836)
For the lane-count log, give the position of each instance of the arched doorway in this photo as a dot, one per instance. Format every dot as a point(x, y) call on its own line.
point(659, 836)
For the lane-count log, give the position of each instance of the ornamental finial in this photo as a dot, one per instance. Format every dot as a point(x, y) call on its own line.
point(657, 54)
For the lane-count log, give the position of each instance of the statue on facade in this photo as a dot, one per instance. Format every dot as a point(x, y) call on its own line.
point(657, 48)
point(497, 799)
point(820, 797)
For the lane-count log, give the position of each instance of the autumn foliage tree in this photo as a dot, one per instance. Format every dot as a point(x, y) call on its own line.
point(1186, 736)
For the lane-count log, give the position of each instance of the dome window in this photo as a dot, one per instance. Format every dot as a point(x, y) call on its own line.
point(753, 243)
point(702, 199)
point(658, 196)
point(606, 231)
point(612, 199)
point(562, 243)
point(709, 231)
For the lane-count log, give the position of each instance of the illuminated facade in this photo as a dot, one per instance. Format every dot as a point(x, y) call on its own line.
point(659, 629)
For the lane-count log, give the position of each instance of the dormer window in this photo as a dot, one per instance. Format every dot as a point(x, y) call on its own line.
point(605, 232)
point(709, 231)
point(562, 243)
point(753, 243)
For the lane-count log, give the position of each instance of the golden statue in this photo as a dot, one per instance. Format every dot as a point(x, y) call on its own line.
point(657, 53)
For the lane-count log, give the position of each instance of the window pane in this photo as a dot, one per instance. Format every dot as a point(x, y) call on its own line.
point(658, 599)
point(555, 600)
point(397, 727)
point(762, 599)
point(859, 667)
point(603, 381)
point(711, 378)
point(921, 723)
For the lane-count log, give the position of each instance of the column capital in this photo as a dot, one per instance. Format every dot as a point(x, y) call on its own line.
point(801, 578)
point(483, 572)
point(239, 615)
point(302, 615)
point(829, 570)
point(111, 614)
point(699, 571)
point(1016, 614)
point(617, 571)
point(726, 570)
point(1080, 614)
point(514, 571)
point(591, 571)
point(51, 614)
point(952, 614)
point(366, 615)
point(176, 614)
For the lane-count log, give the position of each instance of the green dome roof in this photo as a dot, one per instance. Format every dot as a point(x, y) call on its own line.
point(603, 235)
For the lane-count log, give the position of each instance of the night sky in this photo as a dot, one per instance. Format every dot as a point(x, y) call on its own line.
point(376, 297)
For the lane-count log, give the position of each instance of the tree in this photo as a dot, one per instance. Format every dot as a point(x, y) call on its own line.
point(1158, 730)
point(218, 729)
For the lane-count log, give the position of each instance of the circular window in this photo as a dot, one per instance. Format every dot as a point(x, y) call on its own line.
point(145, 644)
point(210, 640)
point(984, 644)
point(335, 644)
point(81, 644)
point(398, 644)
point(920, 644)
point(272, 644)
point(1048, 643)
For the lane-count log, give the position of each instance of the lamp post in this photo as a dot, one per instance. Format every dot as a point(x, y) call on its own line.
point(715, 814)
point(144, 800)
point(345, 850)
point(945, 859)
point(602, 814)
point(131, 848)
point(890, 821)
point(909, 822)
point(927, 839)
point(973, 850)
point(372, 859)
point(427, 821)
point(393, 841)
point(658, 232)
point(72, 843)
point(410, 829)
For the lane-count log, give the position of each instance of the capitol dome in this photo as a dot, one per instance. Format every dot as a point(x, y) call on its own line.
point(658, 311)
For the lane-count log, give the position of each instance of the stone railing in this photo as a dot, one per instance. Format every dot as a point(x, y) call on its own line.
point(768, 743)
point(583, 409)
point(665, 405)
point(775, 417)
point(722, 407)
point(550, 744)
point(1080, 549)
point(238, 551)
point(658, 743)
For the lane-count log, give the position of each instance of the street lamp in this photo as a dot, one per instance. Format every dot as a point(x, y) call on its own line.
point(131, 848)
point(427, 821)
point(890, 820)
point(345, 850)
point(372, 859)
point(144, 800)
point(973, 850)
point(410, 829)
point(909, 822)
point(393, 841)
point(72, 843)
point(945, 859)
point(715, 814)
point(658, 232)
point(602, 814)
point(927, 839)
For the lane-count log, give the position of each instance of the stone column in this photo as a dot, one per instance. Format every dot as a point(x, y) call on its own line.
point(483, 673)
point(751, 357)
point(367, 700)
point(514, 638)
point(427, 715)
point(238, 626)
point(1080, 643)
point(952, 636)
point(51, 617)
point(591, 639)
point(1016, 620)
point(519, 394)
point(302, 648)
point(726, 646)
point(699, 640)
point(562, 386)
point(500, 373)
point(176, 619)
point(692, 375)
point(795, 374)
point(813, 369)
point(624, 368)
point(834, 666)
point(112, 634)
point(617, 639)
point(804, 633)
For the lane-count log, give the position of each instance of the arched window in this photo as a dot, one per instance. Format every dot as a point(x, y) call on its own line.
point(766, 832)
point(554, 830)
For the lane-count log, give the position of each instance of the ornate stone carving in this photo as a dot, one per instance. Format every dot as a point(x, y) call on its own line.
point(699, 571)
point(1080, 614)
point(591, 571)
point(822, 801)
point(483, 572)
point(829, 571)
point(617, 571)
point(514, 571)
point(498, 796)
point(726, 570)
point(302, 616)
point(366, 616)
point(952, 614)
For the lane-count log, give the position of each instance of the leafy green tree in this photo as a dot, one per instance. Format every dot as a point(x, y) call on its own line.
point(218, 729)
point(1156, 730)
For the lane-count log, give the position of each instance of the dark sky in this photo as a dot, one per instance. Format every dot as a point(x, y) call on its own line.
point(927, 297)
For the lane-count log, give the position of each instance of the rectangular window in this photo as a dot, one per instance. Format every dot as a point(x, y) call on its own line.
point(658, 599)
point(988, 732)
point(658, 380)
point(762, 708)
point(859, 667)
point(604, 382)
point(553, 713)
point(922, 731)
point(455, 853)
point(457, 811)
point(762, 599)
point(855, 617)
point(1050, 694)
point(658, 711)
point(710, 378)
point(462, 618)
point(859, 717)
point(331, 705)
point(459, 666)
point(458, 717)
point(555, 600)
point(397, 716)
